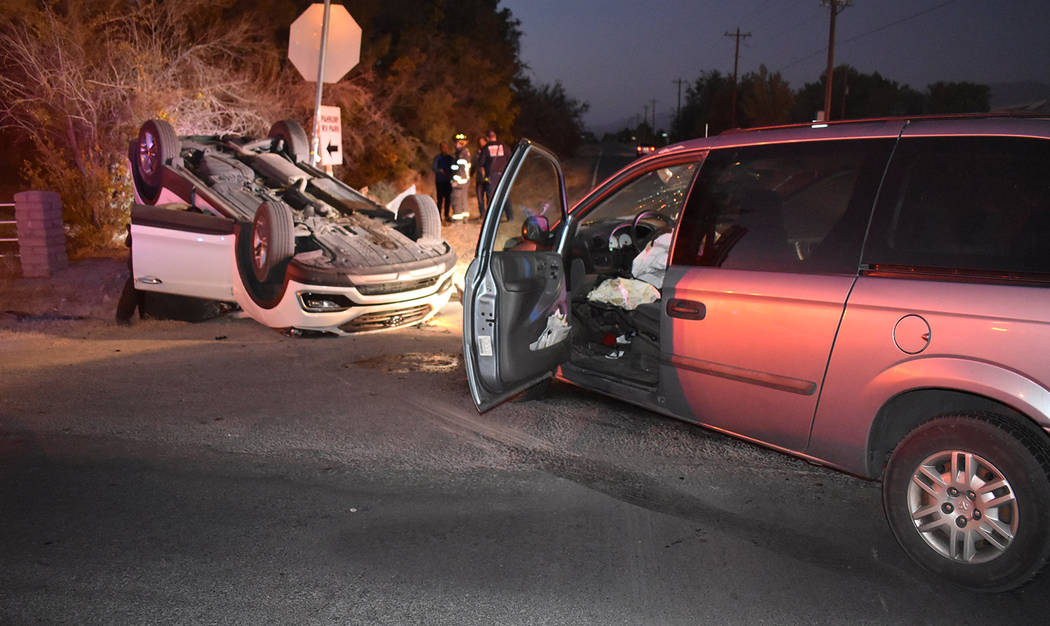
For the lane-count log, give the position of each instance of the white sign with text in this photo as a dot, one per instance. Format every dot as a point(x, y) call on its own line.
point(330, 134)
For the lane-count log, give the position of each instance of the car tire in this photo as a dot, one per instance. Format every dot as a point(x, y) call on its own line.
point(273, 241)
point(968, 497)
point(128, 302)
point(157, 146)
point(296, 144)
point(423, 210)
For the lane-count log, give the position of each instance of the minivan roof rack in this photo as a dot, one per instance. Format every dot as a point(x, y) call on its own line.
point(1012, 113)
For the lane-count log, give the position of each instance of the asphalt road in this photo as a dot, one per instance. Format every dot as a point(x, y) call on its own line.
point(225, 473)
point(609, 158)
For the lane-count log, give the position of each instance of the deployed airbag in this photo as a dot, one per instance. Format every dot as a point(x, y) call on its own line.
point(626, 293)
point(651, 263)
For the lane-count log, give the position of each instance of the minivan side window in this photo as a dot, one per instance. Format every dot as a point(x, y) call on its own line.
point(793, 207)
point(964, 205)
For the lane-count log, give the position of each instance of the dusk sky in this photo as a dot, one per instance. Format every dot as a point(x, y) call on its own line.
point(619, 54)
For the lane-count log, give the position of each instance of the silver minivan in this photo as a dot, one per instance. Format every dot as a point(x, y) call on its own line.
point(873, 296)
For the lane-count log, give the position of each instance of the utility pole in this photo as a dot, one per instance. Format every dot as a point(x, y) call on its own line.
point(678, 109)
point(736, 60)
point(652, 102)
point(836, 7)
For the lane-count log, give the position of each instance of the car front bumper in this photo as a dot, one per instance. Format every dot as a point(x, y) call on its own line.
point(357, 313)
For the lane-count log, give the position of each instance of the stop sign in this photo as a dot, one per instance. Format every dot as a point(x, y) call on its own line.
point(344, 42)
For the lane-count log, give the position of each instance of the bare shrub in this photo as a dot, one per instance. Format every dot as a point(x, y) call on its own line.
point(77, 82)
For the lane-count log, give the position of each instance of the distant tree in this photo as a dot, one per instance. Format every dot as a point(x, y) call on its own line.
point(434, 69)
point(548, 115)
point(944, 97)
point(764, 99)
point(857, 95)
point(706, 107)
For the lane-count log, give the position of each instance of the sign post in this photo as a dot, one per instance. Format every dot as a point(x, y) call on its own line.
point(309, 50)
point(315, 151)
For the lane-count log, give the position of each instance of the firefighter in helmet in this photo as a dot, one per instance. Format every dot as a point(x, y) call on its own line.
point(460, 178)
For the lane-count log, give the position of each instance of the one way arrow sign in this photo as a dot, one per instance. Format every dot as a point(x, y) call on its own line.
point(331, 136)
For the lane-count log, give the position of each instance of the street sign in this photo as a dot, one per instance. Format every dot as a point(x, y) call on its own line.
point(331, 136)
point(344, 43)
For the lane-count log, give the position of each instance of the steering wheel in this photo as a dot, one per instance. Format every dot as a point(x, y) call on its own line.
point(638, 241)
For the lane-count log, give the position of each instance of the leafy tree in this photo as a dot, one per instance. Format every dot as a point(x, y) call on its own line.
point(856, 95)
point(963, 97)
point(442, 67)
point(764, 99)
point(548, 115)
point(707, 107)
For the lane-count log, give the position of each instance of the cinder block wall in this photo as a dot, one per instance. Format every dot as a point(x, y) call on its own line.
point(41, 237)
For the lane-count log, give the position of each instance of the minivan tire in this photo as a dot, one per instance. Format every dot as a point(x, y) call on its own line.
point(959, 510)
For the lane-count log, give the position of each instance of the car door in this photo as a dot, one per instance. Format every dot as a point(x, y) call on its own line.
point(182, 252)
point(515, 310)
point(766, 254)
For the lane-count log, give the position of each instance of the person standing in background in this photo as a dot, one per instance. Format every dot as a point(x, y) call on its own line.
point(442, 167)
point(479, 179)
point(493, 164)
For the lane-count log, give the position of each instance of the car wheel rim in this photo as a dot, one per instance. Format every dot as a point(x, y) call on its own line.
point(963, 507)
point(260, 244)
point(148, 153)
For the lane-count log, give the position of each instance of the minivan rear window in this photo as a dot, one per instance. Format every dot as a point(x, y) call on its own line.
point(959, 205)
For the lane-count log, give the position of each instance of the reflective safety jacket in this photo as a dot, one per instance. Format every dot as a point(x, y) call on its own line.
point(461, 168)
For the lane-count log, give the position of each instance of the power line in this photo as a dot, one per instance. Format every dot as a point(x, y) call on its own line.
point(762, 8)
point(894, 23)
point(678, 82)
point(756, 20)
point(866, 33)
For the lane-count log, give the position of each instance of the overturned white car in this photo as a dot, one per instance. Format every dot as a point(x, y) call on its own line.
point(251, 222)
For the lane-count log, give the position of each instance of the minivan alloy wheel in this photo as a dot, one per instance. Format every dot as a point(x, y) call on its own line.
point(967, 496)
point(963, 506)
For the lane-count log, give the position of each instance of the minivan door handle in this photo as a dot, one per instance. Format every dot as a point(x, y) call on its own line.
point(686, 309)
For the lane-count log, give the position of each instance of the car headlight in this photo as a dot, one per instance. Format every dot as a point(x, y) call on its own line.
point(323, 302)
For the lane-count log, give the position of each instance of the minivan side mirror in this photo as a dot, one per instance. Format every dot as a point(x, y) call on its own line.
point(536, 229)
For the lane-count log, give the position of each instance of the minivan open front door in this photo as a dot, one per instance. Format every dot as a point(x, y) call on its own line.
point(515, 310)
